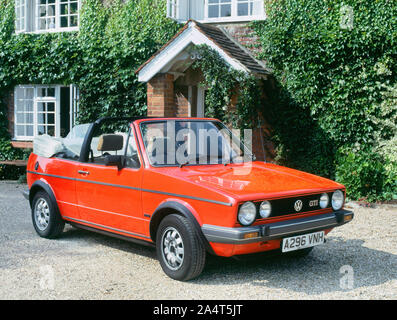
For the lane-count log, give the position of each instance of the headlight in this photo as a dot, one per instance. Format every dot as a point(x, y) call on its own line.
point(337, 200)
point(324, 200)
point(265, 209)
point(247, 213)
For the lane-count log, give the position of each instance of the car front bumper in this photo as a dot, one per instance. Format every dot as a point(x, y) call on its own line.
point(276, 230)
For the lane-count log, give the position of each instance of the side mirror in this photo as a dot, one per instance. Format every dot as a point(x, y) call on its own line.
point(118, 161)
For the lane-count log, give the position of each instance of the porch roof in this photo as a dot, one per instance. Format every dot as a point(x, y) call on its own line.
point(195, 33)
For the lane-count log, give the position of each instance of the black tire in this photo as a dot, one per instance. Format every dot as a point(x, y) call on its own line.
point(194, 253)
point(52, 224)
point(299, 253)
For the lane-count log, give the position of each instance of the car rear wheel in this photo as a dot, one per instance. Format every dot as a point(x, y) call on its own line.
point(179, 250)
point(46, 219)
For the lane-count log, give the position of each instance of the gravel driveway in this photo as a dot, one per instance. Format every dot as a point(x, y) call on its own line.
point(359, 261)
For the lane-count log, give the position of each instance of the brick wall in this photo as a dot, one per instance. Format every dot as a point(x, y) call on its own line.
point(160, 96)
point(244, 35)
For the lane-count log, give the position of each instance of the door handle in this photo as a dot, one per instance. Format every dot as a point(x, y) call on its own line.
point(83, 172)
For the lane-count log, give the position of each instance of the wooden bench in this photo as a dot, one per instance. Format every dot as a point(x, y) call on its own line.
point(18, 163)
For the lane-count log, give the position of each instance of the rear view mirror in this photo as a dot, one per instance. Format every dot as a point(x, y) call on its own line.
point(118, 161)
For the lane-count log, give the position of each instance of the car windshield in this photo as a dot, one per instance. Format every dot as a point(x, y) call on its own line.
point(191, 142)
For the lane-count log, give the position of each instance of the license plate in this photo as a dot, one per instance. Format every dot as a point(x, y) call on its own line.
point(302, 241)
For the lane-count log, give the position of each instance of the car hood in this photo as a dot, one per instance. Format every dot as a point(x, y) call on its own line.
point(257, 180)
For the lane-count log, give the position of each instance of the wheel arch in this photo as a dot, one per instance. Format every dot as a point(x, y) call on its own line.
point(174, 207)
point(40, 185)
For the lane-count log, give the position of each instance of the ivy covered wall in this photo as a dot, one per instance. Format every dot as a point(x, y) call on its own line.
point(101, 59)
point(333, 108)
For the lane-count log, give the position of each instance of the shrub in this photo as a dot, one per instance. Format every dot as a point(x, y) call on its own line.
point(335, 63)
point(366, 175)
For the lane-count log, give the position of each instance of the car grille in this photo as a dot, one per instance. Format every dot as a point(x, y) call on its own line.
point(281, 207)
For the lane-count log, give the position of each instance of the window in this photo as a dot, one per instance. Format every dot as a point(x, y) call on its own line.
point(20, 15)
point(24, 112)
point(215, 10)
point(249, 7)
point(46, 107)
point(172, 9)
point(219, 8)
point(46, 15)
point(234, 9)
point(44, 110)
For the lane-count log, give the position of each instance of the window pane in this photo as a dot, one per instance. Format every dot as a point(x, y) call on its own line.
point(29, 131)
point(226, 10)
point(51, 106)
point(74, 21)
point(50, 118)
point(20, 130)
point(29, 93)
point(41, 118)
point(51, 130)
point(42, 11)
point(51, 92)
point(213, 11)
point(242, 9)
point(73, 7)
point(41, 106)
point(29, 105)
point(20, 106)
point(41, 130)
point(20, 118)
point(29, 118)
point(51, 23)
point(64, 9)
point(64, 22)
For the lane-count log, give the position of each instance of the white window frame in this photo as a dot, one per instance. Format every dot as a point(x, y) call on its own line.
point(16, 112)
point(73, 105)
point(172, 9)
point(32, 18)
point(234, 16)
point(20, 13)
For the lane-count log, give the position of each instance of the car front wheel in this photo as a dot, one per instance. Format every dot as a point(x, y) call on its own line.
point(179, 250)
point(46, 219)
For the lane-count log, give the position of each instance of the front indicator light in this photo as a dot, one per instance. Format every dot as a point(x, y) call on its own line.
point(251, 235)
point(348, 218)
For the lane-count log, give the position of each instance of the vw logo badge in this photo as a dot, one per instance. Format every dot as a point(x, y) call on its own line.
point(298, 205)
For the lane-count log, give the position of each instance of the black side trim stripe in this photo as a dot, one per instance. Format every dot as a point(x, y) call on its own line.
point(133, 188)
point(109, 228)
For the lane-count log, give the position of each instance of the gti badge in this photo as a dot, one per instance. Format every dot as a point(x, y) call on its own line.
point(298, 205)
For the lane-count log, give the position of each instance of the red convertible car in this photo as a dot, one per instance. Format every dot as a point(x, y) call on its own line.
point(188, 186)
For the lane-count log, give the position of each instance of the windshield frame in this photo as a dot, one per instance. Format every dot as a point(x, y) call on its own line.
point(242, 146)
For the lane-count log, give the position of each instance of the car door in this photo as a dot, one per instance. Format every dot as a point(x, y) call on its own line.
point(109, 198)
